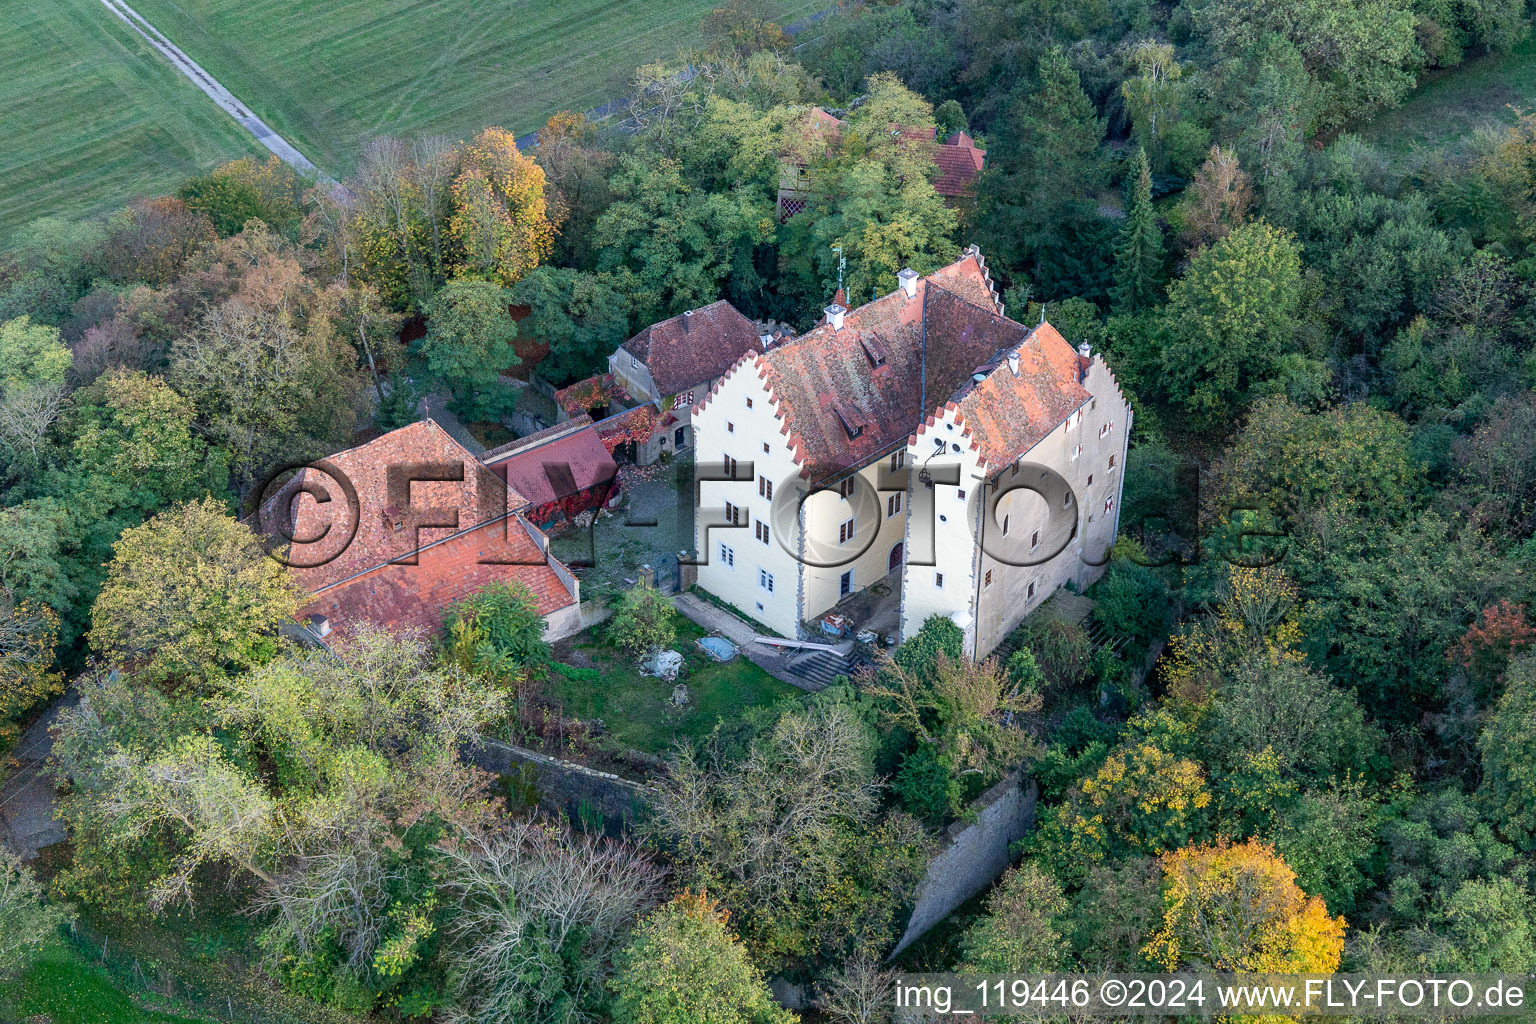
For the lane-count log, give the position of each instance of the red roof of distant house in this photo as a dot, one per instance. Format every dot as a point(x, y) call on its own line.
point(424, 524)
point(960, 164)
point(693, 348)
point(553, 464)
point(958, 160)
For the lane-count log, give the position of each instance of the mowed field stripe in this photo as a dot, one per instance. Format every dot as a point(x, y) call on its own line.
point(329, 77)
point(90, 117)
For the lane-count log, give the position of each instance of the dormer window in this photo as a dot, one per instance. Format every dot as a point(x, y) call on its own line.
point(853, 418)
point(874, 349)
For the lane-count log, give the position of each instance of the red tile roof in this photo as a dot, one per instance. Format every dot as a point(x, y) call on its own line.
point(826, 382)
point(416, 496)
point(554, 464)
point(960, 164)
point(693, 348)
point(1007, 413)
point(415, 597)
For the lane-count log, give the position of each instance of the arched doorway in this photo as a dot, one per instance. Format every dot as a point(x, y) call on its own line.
point(895, 560)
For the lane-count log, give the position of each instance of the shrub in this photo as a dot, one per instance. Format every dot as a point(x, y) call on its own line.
point(1132, 603)
point(499, 631)
point(645, 622)
point(927, 786)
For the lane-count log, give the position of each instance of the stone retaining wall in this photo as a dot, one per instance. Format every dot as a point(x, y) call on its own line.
point(972, 854)
point(564, 787)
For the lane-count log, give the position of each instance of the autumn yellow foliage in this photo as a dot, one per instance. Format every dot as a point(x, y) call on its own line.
point(500, 220)
point(1257, 619)
point(1238, 908)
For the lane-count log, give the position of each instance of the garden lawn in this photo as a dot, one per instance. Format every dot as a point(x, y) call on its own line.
point(635, 708)
point(90, 117)
point(1445, 113)
point(330, 76)
point(62, 986)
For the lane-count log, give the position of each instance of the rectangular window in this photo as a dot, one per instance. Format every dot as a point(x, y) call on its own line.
point(765, 580)
point(1005, 526)
point(898, 460)
point(765, 488)
point(938, 580)
point(765, 447)
point(987, 581)
point(730, 428)
point(749, 401)
point(845, 584)
point(762, 531)
point(892, 505)
point(960, 494)
point(1066, 500)
point(845, 532)
point(1076, 452)
point(727, 556)
point(730, 468)
point(633, 361)
point(1090, 479)
point(1034, 540)
point(1111, 462)
point(846, 487)
point(733, 514)
point(1030, 593)
point(1109, 503)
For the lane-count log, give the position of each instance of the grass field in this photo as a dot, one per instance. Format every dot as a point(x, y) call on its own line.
point(90, 118)
point(635, 708)
point(61, 986)
point(1446, 112)
point(330, 76)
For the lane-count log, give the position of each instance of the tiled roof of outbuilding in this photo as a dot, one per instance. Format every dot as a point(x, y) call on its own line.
point(693, 348)
point(431, 525)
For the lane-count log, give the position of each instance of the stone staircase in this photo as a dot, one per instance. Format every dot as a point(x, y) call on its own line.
point(818, 670)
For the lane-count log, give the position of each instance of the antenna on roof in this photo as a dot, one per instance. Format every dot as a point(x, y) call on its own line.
point(841, 263)
point(1042, 314)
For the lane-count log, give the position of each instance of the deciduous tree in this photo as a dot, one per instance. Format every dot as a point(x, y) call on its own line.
point(1238, 908)
point(685, 967)
point(467, 346)
point(499, 222)
point(191, 595)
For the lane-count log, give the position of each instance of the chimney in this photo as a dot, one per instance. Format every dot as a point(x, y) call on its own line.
point(320, 625)
point(1084, 350)
point(908, 279)
point(1013, 362)
point(835, 314)
point(1084, 361)
point(687, 319)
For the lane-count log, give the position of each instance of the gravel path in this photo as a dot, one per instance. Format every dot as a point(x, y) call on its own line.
point(213, 90)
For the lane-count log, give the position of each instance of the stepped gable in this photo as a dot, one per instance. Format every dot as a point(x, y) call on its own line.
point(1011, 411)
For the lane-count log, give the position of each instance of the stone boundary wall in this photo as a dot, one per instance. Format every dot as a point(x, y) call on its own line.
point(972, 855)
point(564, 786)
